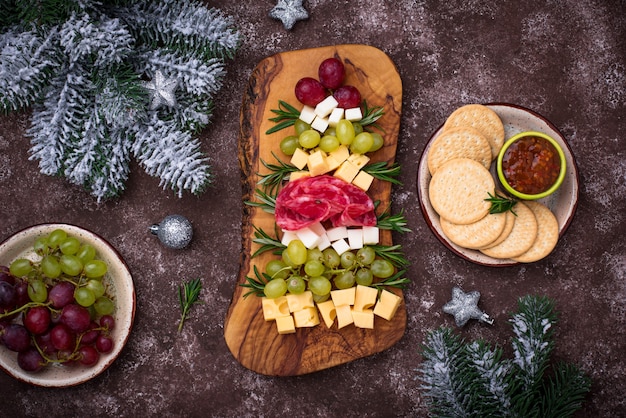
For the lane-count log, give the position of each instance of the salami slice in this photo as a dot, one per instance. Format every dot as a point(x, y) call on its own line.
point(308, 200)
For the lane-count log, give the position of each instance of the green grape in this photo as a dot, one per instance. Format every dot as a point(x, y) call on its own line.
point(382, 268)
point(275, 288)
point(362, 143)
point(56, 237)
point(296, 285)
point(358, 128)
point(365, 256)
point(69, 246)
point(104, 306)
point(84, 296)
point(331, 258)
point(348, 259)
point(277, 269)
point(37, 291)
point(319, 285)
point(320, 298)
point(364, 277)
point(285, 259)
point(314, 268)
point(96, 287)
point(50, 266)
point(86, 252)
point(70, 265)
point(297, 252)
point(309, 139)
point(94, 269)
point(41, 245)
point(344, 280)
point(378, 142)
point(315, 254)
point(345, 131)
point(301, 126)
point(289, 144)
point(20, 267)
point(330, 131)
point(329, 143)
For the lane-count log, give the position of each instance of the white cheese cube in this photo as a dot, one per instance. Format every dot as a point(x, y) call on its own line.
point(323, 243)
point(355, 238)
point(307, 114)
point(337, 233)
point(371, 235)
point(288, 236)
point(318, 228)
point(308, 237)
point(354, 114)
point(335, 116)
point(341, 246)
point(326, 106)
point(320, 124)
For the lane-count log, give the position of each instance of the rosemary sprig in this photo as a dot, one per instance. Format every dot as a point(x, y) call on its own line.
point(371, 115)
point(188, 294)
point(257, 285)
point(266, 242)
point(382, 171)
point(287, 116)
point(266, 202)
point(392, 254)
point(500, 204)
point(396, 281)
point(278, 173)
point(386, 220)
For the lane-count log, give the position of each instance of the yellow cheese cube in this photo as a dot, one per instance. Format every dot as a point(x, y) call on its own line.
point(300, 158)
point(341, 154)
point(363, 180)
point(300, 301)
point(347, 171)
point(328, 312)
point(307, 317)
point(317, 163)
point(274, 308)
point(295, 175)
point(387, 305)
point(344, 316)
point(285, 325)
point(332, 162)
point(343, 296)
point(365, 297)
point(363, 319)
point(359, 160)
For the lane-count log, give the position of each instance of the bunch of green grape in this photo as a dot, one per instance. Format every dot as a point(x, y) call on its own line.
point(65, 258)
point(300, 269)
point(346, 133)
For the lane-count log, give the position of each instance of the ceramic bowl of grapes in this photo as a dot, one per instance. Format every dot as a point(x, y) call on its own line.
point(67, 305)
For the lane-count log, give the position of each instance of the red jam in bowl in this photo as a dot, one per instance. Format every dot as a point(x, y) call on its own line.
point(531, 165)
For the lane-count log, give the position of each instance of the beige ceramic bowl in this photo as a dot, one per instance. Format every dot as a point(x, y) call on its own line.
point(20, 246)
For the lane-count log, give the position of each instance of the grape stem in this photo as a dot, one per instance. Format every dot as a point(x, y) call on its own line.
point(26, 306)
point(188, 294)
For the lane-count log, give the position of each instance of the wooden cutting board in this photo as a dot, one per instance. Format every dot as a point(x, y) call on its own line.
point(254, 342)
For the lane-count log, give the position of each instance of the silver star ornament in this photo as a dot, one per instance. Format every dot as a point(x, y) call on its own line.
point(289, 12)
point(161, 91)
point(464, 306)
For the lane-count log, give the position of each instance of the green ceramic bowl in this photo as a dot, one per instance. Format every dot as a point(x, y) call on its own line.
point(521, 195)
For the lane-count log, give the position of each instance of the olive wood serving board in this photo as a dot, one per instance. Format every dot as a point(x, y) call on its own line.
point(254, 342)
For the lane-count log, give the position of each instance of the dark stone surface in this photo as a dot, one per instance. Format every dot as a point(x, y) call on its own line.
point(564, 59)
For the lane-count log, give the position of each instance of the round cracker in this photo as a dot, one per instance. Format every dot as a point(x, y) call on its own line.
point(481, 118)
point(458, 190)
point(459, 142)
point(475, 235)
point(508, 227)
point(521, 238)
point(547, 234)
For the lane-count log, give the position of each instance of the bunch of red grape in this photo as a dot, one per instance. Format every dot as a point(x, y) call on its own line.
point(56, 310)
point(331, 74)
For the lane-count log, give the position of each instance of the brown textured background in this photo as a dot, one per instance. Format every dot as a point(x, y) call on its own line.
point(564, 59)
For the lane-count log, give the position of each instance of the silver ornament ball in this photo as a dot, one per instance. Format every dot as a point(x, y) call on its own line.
point(174, 231)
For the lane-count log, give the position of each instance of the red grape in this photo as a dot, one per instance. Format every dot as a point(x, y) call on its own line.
point(89, 337)
point(61, 294)
point(8, 296)
point(62, 337)
point(44, 343)
point(347, 97)
point(37, 319)
point(107, 322)
point(104, 344)
point(88, 355)
point(331, 73)
point(30, 360)
point(309, 91)
point(16, 337)
point(21, 293)
point(5, 276)
point(76, 318)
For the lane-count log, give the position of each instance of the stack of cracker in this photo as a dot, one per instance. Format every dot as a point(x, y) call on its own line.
point(459, 160)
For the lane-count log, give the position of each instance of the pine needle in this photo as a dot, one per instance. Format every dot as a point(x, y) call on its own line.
point(188, 294)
